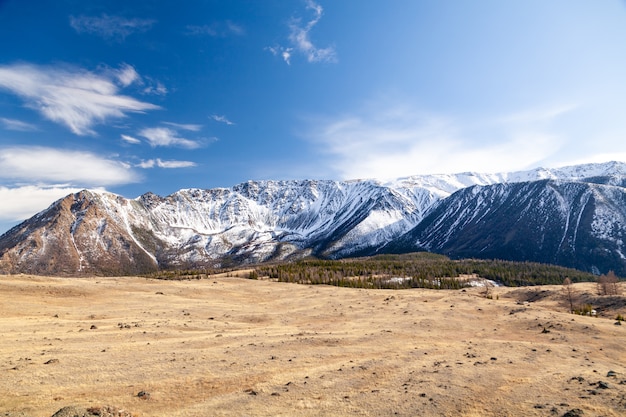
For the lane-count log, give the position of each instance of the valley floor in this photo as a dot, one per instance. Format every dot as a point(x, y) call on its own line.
point(235, 347)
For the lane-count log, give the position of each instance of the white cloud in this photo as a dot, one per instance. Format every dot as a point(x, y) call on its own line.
point(130, 139)
point(21, 203)
point(41, 165)
point(73, 97)
point(110, 27)
point(221, 119)
point(286, 54)
point(400, 141)
point(151, 163)
point(283, 52)
point(190, 127)
point(155, 88)
point(12, 124)
point(163, 136)
point(300, 39)
point(127, 75)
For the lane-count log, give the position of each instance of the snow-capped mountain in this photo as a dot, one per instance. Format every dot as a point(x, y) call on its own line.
point(573, 216)
point(576, 224)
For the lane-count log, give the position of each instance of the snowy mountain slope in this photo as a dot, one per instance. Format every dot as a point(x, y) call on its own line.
point(256, 221)
point(575, 224)
point(551, 215)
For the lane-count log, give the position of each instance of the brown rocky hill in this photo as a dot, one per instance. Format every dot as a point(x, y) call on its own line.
point(74, 236)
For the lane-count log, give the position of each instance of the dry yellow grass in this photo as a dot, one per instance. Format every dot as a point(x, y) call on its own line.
point(235, 347)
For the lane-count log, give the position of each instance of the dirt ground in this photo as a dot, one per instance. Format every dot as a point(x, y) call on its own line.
point(235, 347)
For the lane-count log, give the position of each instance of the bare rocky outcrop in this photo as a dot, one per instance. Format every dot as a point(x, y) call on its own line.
point(104, 411)
point(74, 236)
point(74, 411)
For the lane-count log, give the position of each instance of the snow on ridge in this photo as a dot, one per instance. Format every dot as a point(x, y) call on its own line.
point(446, 184)
point(300, 210)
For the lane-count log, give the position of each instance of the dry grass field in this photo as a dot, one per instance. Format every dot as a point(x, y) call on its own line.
point(236, 347)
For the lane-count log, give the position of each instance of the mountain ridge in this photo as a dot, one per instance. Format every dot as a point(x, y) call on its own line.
point(97, 232)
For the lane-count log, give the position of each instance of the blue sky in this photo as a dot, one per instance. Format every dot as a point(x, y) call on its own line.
point(138, 96)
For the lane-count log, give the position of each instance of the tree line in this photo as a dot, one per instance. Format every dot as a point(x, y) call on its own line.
point(416, 270)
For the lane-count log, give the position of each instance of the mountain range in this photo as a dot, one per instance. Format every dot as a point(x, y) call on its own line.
point(573, 216)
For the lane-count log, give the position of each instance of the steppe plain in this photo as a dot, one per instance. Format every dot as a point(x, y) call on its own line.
point(227, 346)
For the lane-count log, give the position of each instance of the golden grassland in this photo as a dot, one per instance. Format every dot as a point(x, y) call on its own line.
point(227, 346)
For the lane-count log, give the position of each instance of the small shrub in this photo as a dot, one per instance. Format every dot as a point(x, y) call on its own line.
point(619, 317)
point(584, 310)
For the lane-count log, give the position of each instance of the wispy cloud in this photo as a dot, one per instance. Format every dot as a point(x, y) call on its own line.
point(395, 141)
point(216, 30)
point(300, 40)
point(130, 139)
point(154, 87)
point(72, 97)
point(18, 125)
point(115, 28)
point(163, 136)
point(43, 165)
point(127, 75)
point(190, 127)
point(151, 163)
point(221, 119)
point(283, 52)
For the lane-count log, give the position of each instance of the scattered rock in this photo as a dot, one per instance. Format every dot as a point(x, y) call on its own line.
point(51, 361)
point(93, 327)
point(72, 411)
point(603, 385)
point(576, 412)
point(108, 411)
point(612, 374)
point(250, 391)
point(144, 395)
